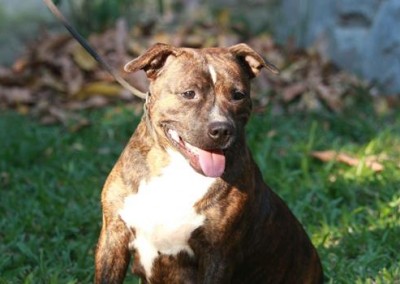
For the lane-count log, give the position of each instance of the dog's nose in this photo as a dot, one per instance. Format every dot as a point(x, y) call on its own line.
point(220, 131)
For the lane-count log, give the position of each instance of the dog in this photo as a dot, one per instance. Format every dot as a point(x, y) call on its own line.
point(186, 198)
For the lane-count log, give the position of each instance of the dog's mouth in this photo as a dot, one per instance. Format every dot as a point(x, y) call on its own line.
point(211, 163)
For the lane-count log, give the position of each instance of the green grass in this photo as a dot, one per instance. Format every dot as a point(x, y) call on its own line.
point(50, 183)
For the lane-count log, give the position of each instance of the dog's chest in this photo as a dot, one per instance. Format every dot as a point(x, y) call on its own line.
point(162, 211)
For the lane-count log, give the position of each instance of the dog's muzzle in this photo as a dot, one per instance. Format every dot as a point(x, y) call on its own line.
point(211, 161)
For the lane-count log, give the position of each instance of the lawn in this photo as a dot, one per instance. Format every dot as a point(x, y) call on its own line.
point(51, 178)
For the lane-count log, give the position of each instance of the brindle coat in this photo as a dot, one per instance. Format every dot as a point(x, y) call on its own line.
point(249, 235)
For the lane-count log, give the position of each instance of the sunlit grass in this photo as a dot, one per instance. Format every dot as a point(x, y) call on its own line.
point(351, 213)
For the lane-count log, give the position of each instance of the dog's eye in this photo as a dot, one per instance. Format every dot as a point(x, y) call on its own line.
point(238, 95)
point(188, 95)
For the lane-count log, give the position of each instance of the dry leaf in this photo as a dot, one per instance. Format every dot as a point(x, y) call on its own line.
point(16, 96)
point(330, 97)
point(20, 65)
point(71, 75)
point(292, 91)
point(50, 81)
point(330, 155)
point(56, 72)
point(84, 60)
point(98, 88)
point(48, 49)
point(78, 125)
point(92, 102)
point(10, 78)
point(59, 114)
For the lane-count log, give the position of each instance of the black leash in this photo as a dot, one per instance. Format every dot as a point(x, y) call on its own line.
point(56, 12)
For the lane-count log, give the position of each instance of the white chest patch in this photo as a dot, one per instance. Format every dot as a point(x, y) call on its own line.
point(162, 212)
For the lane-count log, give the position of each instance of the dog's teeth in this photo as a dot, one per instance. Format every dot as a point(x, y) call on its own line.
point(174, 135)
point(191, 148)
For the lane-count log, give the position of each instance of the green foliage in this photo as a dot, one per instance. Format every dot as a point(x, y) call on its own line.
point(51, 179)
point(96, 15)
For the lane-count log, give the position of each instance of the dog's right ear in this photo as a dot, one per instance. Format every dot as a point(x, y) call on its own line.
point(152, 60)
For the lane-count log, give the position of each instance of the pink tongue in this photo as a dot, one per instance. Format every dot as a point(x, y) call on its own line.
point(212, 163)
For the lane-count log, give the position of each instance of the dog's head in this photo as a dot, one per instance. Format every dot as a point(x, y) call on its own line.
point(199, 99)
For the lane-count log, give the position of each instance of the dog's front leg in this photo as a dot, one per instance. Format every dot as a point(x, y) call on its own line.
point(112, 254)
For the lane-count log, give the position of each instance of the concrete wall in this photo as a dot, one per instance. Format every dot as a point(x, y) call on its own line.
point(359, 35)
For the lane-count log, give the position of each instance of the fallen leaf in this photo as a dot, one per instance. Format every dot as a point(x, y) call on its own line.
point(50, 81)
point(330, 155)
point(98, 88)
point(4, 179)
point(292, 91)
point(71, 75)
point(48, 120)
point(56, 71)
point(92, 102)
point(330, 96)
point(84, 60)
point(78, 125)
point(16, 95)
point(22, 109)
point(59, 114)
point(8, 77)
point(48, 49)
point(20, 65)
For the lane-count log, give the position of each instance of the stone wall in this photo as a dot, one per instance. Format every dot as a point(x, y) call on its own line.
point(362, 36)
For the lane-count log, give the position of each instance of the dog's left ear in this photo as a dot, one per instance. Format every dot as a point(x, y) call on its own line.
point(251, 59)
